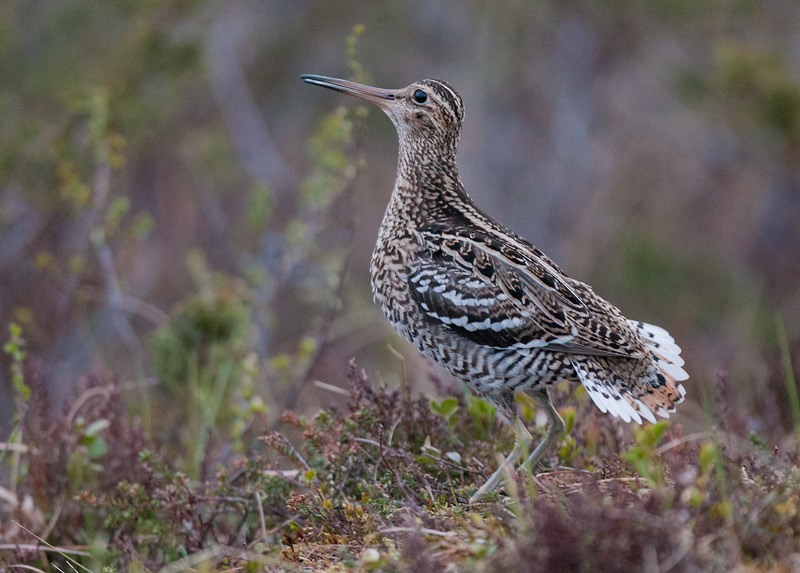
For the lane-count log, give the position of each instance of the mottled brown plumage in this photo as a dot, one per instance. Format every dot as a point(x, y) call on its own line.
point(486, 304)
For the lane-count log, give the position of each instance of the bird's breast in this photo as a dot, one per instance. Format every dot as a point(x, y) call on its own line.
point(393, 257)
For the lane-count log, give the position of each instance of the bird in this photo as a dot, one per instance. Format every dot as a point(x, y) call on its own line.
point(487, 305)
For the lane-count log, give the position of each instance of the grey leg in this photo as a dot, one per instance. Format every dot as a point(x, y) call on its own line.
point(523, 437)
point(555, 430)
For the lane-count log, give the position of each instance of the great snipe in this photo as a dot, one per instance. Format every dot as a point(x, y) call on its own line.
point(486, 304)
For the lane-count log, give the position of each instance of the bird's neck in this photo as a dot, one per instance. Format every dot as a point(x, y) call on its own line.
point(428, 186)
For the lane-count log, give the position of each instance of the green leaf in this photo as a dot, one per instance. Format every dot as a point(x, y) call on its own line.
point(652, 435)
point(142, 225)
point(118, 208)
point(448, 407)
point(281, 362)
point(96, 427)
point(568, 415)
point(96, 448)
point(708, 456)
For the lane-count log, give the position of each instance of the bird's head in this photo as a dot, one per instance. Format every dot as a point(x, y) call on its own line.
point(427, 109)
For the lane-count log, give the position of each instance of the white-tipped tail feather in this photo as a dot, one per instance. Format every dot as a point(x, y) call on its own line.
point(663, 346)
point(603, 393)
point(633, 400)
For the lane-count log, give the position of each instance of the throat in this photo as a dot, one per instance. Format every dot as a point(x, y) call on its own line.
point(428, 186)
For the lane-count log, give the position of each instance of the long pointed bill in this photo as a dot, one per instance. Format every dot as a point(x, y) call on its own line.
point(382, 98)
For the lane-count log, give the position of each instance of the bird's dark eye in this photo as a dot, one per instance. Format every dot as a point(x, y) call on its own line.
point(420, 96)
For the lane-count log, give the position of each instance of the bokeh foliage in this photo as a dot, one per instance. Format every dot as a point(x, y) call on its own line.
point(185, 229)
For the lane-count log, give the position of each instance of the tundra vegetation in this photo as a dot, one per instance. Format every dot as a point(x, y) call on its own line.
point(185, 231)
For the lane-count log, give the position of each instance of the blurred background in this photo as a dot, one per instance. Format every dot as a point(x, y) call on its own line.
point(179, 210)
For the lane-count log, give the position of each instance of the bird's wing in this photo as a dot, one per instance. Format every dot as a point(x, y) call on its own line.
point(505, 295)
